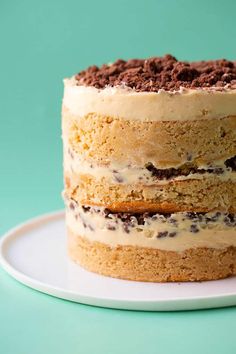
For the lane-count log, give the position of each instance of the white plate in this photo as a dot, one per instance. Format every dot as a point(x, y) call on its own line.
point(34, 253)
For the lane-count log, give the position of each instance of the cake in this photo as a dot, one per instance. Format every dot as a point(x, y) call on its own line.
point(150, 169)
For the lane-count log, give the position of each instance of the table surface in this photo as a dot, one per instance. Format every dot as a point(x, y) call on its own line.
point(41, 43)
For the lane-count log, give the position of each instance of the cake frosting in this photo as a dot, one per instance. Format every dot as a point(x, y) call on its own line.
point(126, 103)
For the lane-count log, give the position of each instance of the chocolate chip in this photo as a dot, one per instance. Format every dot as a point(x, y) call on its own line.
point(172, 234)
point(126, 227)
point(72, 206)
point(194, 229)
point(162, 234)
point(218, 171)
point(106, 213)
point(118, 177)
point(173, 221)
point(191, 215)
point(215, 217)
point(86, 208)
point(189, 156)
point(222, 133)
point(71, 153)
point(111, 227)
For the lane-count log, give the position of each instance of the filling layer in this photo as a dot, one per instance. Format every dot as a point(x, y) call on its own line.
point(176, 231)
point(149, 174)
point(170, 173)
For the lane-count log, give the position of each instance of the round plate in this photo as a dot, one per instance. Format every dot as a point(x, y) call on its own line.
point(34, 253)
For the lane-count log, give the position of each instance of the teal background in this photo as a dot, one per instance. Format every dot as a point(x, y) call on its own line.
point(41, 42)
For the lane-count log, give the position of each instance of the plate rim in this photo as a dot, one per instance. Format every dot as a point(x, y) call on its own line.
point(102, 301)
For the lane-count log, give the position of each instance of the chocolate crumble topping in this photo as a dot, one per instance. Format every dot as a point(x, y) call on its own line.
point(157, 73)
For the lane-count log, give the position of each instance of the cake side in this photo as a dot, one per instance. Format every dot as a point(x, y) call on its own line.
point(146, 142)
point(152, 247)
point(152, 265)
point(156, 165)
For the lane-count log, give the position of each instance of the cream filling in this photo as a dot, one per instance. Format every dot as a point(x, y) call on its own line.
point(94, 227)
point(120, 174)
point(123, 102)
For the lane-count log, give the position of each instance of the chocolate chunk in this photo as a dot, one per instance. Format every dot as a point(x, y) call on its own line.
point(172, 234)
point(157, 73)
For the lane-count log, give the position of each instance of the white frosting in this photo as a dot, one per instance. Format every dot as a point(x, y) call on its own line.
point(122, 102)
point(93, 226)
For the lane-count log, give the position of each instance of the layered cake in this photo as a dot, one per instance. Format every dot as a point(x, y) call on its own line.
point(150, 169)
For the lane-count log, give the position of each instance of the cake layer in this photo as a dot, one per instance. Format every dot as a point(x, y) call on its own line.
point(107, 140)
point(149, 264)
point(211, 192)
point(173, 232)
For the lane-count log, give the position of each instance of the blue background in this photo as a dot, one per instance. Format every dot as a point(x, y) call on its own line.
point(41, 43)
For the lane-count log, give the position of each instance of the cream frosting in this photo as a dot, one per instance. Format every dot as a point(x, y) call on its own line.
point(125, 103)
point(95, 227)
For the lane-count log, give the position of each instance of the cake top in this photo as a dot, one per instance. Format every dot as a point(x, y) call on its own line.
point(158, 73)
